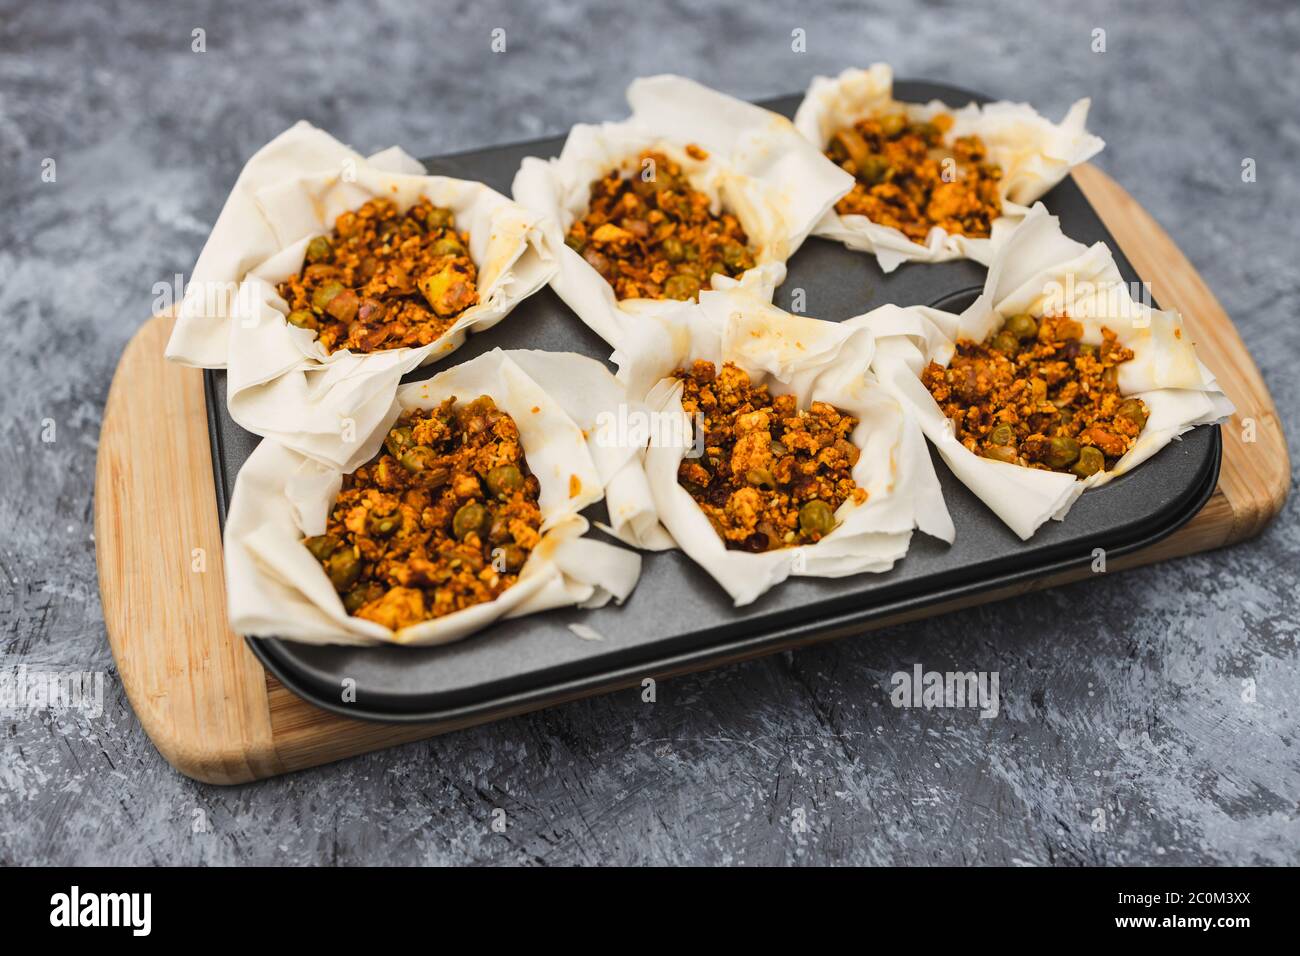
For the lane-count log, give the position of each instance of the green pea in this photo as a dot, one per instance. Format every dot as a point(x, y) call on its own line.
point(398, 440)
point(449, 246)
point(760, 478)
point(875, 169)
point(736, 256)
point(681, 286)
point(439, 218)
point(779, 450)
point(381, 526)
point(1091, 461)
point(892, 124)
point(673, 249)
point(303, 319)
point(511, 558)
point(418, 459)
point(325, 294)
point(468, 519)
point(343, 568)
point(321, 546)
point(816, 517)
point(1005, 342)
point(355, 599)
point(1001, 453)
point(1022, 326)
point(1002, 435)
point(1134, 411)
point(319, 250)
point(1061, 452)
point(504, 480)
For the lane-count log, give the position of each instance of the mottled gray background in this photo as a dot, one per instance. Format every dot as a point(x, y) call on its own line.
point(1123, 693)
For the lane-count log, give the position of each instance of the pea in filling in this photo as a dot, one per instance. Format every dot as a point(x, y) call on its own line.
point(1036, 395)
point(907, 176)
point(655, 238)
point(772, 475)
point(383, 279)
point(443, 518)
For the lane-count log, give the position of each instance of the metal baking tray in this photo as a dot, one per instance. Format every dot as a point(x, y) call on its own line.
point(678, 616)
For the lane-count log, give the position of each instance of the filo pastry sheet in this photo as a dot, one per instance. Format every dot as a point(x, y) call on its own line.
point(1040, 271)
point(281, 382)
point(277, 588)
point(816, 361)
point(1035, 154)
point(758, 167)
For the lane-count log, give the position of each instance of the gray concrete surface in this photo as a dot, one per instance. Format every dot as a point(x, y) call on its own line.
point(1124, 699)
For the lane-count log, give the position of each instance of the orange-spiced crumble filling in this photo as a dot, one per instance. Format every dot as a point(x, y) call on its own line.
point(772, 475)
point(383, 279)
point(651, 236)
point(443, 518)
point(1038, 396)
point(909, 177)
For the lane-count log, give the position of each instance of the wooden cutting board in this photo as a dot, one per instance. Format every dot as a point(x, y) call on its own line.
point(217, 716)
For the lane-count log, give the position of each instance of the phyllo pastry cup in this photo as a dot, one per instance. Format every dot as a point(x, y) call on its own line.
point(299, 206)
point(693, 186)
point(793, 460)
point(1075, 418)
point(468, 510)
point(933, 183)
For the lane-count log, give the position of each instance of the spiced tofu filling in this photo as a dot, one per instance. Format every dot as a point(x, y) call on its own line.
point(651, 236)
point(383, 279)
point(443, 518)
point(907, 176)
point(772, 475)
point(1036, 395)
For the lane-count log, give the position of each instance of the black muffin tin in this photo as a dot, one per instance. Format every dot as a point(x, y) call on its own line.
point(678, 616)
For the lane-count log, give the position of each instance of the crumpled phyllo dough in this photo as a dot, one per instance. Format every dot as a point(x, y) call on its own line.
point(278, 589)
point(757, 167)
point(281, 382)
point(1034, 153)
point(1042, 272)
point(815, 361)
